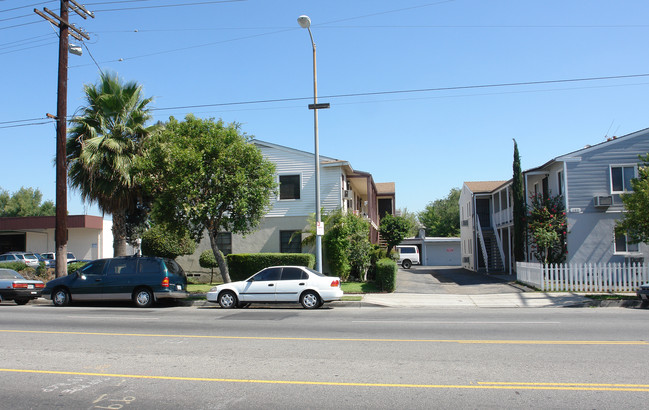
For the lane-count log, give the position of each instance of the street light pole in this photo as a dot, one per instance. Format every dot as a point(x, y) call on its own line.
point(305, 22)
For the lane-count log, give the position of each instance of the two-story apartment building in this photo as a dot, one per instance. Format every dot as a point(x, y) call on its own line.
point(341, 187)
point(589, 181)
point(486, 226)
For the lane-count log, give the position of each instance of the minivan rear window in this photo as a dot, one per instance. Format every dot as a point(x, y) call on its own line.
point(174, 268)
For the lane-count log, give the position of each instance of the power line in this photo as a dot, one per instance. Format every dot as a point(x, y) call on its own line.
point(169, 5)
point(241, 103)
point(27, 6)
point(419, 90)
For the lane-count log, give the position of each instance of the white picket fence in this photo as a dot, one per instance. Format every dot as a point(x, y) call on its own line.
point(610, 277)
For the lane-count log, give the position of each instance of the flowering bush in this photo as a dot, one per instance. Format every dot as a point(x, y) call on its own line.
point(547, 228)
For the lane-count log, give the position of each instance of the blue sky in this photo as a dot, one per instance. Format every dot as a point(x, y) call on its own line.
point(445, 130)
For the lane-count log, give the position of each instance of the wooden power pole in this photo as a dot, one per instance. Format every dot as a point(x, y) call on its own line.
point(61, 226)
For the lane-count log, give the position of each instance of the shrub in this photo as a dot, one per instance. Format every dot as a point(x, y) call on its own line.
point(386, 274)
point(244, 265)
point(167, 243)
point(17, 266)
point(207, 260)
point(74, 266)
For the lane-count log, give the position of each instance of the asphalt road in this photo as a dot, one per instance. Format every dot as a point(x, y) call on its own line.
point(116, 357)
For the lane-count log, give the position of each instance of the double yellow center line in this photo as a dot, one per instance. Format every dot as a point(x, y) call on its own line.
point(478, 386)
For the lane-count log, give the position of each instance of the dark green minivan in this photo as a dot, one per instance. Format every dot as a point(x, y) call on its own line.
point(142, 280)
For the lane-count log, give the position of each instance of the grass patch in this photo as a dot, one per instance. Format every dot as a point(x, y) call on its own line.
point(612, 296)
point(360, 287)
point(355, 298)
point(200, 287)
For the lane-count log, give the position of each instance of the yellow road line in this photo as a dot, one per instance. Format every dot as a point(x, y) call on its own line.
point(459, 341)
point(480, 386)
point(565, 384)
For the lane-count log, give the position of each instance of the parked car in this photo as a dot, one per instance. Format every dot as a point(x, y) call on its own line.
point(143, 280)
point(408, 256)
point(49, 263)
point(13, 286)
point(52, 256)
point(28, 259)
point(279, 284)
point(643, 294)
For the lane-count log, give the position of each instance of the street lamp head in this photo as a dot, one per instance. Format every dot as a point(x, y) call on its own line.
point(304, 21)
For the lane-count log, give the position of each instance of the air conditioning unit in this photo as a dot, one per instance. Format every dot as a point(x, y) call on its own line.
point(603, 201)
point(348, 194)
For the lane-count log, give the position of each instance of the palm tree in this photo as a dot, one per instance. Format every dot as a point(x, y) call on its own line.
point(103, 144)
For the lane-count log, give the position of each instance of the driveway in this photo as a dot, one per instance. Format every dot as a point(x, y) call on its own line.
point(452, 280)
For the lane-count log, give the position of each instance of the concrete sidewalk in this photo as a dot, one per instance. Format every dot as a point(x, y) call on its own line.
point(514, 300)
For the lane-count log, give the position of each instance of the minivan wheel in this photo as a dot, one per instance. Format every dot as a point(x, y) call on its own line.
point(228, 300)
point(143, 298)
point(406, 264)
point(60, 297)
point(310, 300)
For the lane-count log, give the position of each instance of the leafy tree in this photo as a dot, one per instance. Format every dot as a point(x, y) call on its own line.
point(411, 217)
point(442, 217)
point(103, 144)
point(160, 240)
point(519, 207)
point(635, 221)
point(393, 229)
point(547, 228)
point(25, 202)
point(207, 176)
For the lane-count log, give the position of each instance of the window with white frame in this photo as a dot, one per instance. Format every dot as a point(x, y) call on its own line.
point(289, 187)
point(622, 244)
point(621, 176)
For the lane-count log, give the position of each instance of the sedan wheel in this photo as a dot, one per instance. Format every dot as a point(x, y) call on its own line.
point(21, 301)
point(228, 300)
point(310, 300)
point(60, 297)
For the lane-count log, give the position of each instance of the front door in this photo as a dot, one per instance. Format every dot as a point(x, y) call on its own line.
point(89, 281)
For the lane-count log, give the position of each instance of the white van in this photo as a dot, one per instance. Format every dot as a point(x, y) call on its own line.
point(408, 255)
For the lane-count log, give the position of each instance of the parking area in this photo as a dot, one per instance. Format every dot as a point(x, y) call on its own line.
point(453, 280)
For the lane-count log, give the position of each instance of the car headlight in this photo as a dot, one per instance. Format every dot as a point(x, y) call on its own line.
point(214, 289)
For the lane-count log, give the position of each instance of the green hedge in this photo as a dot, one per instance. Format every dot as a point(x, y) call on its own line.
point(17, 266)
point(244, 265)
point(386, 274)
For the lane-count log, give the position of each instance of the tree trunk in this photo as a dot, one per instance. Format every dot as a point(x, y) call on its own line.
point(223, 267)
point(119, 233)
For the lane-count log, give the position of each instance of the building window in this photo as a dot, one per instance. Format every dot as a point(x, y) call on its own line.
point(560, 182)
point(622, 244)
point(289, 243)
point(224, 242)
point(289, 187)
point(621, 176)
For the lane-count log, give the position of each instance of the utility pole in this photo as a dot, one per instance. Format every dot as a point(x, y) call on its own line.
point(61, 225)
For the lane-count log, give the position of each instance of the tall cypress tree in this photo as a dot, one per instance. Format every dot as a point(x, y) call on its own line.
point(519, 208)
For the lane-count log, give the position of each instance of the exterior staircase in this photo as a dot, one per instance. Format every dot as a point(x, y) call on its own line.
point(495, 262)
